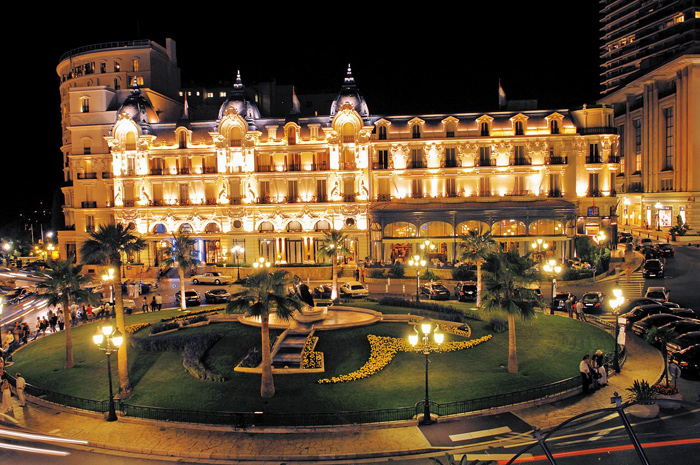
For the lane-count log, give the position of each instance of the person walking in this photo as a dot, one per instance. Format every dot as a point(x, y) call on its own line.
point(20, 385)
point(6, 405)
point(628, 272)
point(144, 305)
point(154, 305)
point(570, 306)
point(599, 367)
point(579, 311)
point(159, 302)
point(585, 371)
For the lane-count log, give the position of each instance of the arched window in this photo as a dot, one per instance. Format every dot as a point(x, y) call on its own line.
point(186, 228)
point(322, 225)
point(436, 229)
point(400, 229)
point(509, 228)
point(160, 229)
point(472, 225)
point(212, 228)
point(130, 141)
point(266, 226)
point(546, 227)
point(293, 226)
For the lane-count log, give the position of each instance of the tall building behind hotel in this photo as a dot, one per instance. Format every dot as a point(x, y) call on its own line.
point(246, 165)
point(650, 58)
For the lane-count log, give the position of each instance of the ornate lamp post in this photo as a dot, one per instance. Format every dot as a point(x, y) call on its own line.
point(616, 303)
point(552, 268)
point(417, 263)
point(237, 250)
point(539, 245)
point(426, 348)
point(108, 339)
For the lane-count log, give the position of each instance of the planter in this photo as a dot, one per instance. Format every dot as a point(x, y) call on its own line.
point(669, 405)
point(643, 410)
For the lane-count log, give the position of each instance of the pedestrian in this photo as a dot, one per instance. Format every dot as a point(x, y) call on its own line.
point(579, 311)
point(159, 302)
point(570, 306)
point(585, 371)
point(25, 332)
point(628, 272)
point(20, 385)
point(144, 305)
point(599, 367)
point(53, 322)
point(61, 322)
point(154, 304)
point(6, 405)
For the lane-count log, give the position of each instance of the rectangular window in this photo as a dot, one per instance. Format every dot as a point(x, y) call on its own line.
point(668, 120)
point(417, 158)
point(89, 223)
point(382, 133)
point(417, 188)
point(593, 153)
point(485, 156)
point(321, 192)
point(85, 105)
point(451, 187)
point(383, 159)
point(416, 131)
point(637, 145)
point(264, 189)
point(292, 191)
point(450, 158)
point(593, 185)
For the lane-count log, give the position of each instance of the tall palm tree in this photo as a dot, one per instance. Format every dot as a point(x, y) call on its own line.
point(476, 247)
point(182, 255)
point(106, 245)
point(263, 292)
point(506, 280)
point(332, 245)
point(62, 286)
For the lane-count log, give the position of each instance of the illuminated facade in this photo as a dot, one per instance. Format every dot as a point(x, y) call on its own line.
point(650, 56)
point(273, 185)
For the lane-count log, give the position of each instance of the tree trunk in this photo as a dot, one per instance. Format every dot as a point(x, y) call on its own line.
point(183, 302)
point(478, 284)
point(69, 339)
point(512, 348)
point(335, 278)
point(267, 385)
point(122, 362)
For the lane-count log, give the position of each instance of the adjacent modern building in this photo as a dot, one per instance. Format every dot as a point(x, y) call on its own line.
point(650, 56)
point(255, 171)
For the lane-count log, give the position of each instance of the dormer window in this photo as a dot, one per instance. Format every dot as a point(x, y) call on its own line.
point(415, 131)
point(182, 139)
point(554, 127)
point(518, 127)
point(485, 130)
point(382, 133)
point(519, 122)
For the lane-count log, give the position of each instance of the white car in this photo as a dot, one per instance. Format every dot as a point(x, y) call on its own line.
point(658, 293)
point(353, 289)
point(212, 277)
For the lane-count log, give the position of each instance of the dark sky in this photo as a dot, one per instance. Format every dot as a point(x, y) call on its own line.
point(405, 60)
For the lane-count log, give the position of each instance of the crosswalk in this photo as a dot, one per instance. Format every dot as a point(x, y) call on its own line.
point(635, 287)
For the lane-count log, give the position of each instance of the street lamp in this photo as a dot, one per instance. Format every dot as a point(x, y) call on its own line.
point(426, 348)
point(261, 263)
point(108, 277)
point(554, 269)
point(417, 263)
point(237, 250)
point(539, 245)
point(658, 206)
point(108, 339)
point(616, 303)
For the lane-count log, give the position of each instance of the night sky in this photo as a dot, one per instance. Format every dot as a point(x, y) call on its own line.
point(405, 61)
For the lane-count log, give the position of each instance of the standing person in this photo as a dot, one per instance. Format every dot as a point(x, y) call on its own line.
point(144, 305)
point(570, 306)
point(159, 302)
point(25, 332)
point(628, 272)
point(61, 322)
point(579, 311)
point(20, 385)
point(154, 304)
point(6, 405)
point(599, 367)
point(585, 370)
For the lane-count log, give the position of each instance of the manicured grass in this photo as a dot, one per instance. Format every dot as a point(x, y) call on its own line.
point(549, 349)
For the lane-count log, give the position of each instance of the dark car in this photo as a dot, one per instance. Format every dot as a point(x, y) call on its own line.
point(592, 301)
point(653, 268)
point(216, 296)
point(682, 326)
point(650, 252)
point(678, 343)
point(641, 312)
point(688, 313)
point(666, 250)
point(629, 305)
point(688, 360)
point(435, 291)
point(643, 326)
point(192, 298)
point(559, 301)
point(323, 291)
point(466, 291)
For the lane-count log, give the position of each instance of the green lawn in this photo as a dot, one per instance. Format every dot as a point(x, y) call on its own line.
point(549, 349)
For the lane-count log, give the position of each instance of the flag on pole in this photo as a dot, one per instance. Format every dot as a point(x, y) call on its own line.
point(501, 96)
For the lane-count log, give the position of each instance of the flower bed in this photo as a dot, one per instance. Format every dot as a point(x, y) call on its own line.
point(132, 329)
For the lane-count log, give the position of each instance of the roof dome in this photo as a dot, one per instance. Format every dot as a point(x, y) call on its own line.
point(350, 94)
point(238, 101)
point(139, 109)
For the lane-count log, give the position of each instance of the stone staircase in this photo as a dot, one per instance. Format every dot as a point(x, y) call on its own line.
point(290, 350)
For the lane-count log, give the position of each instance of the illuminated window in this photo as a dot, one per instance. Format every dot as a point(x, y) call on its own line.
point(222, 94)
point(117, 67)
point(668, 120)
point(135, 65)
point(85, 105)
point(637, 145)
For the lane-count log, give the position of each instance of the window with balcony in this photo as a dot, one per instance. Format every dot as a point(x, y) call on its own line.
point(292, 191)
point(621, 147)
point(485, 156)
point(593, 154)
point(593, 190)
point(450, 157)
point(519, 156)
point(382, 159)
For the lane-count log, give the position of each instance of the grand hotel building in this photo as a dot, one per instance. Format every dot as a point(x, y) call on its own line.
point(140, 151)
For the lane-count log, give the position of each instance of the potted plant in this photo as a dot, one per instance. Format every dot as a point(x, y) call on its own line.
point(645, 395)
point(661, 336)
point(666, 392)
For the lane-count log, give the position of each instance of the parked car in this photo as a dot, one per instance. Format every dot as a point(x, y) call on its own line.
point(683, 341)
point(682, 326)
point(592, 301)
point(650, 252)
point(653, 268)
point(666, 250)
point(658, 293)
point(629, 305)
point(688, 360)
point(559, 301)
point(323, 291)
point(688, 313)
point(217, 296)
point(192, 298)
point(353, 289)
point(641, 312)
point(643, 326)
point(465, 291)
point(435, 291)
point(645, 241)
point(212, 277)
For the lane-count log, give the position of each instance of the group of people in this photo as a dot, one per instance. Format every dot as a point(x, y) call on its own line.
point(6, 392)
point(594, 374)
point(575, 308)
point(155, 306)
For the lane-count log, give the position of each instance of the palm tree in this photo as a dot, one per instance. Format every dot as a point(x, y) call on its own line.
point(506, 280)
point(475, 248)
point(62, 286)
point(106, 245)
point(182, 255)
point(332, 245)
point(661, 335)
point(263, 292)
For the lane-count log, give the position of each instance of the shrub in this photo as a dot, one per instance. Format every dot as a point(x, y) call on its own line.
point(397, 271)
point(572, 274)
point(641, 391)
point(194, 351)
point(194, 319)
point(463, 273)
point(498, 325)
point(160, 327)
point(252, 359)
point(430, 275)
point(377, 273)
point(446, 312)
